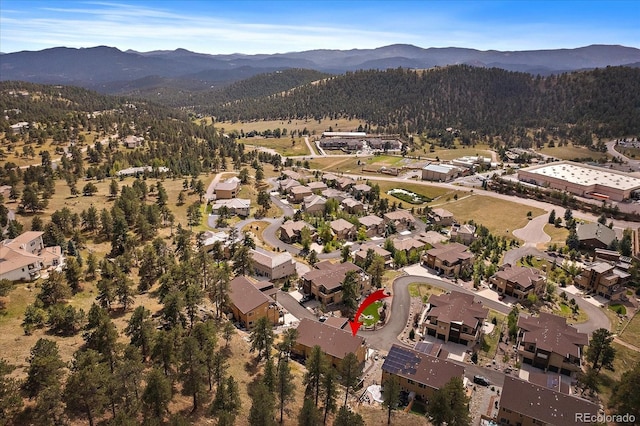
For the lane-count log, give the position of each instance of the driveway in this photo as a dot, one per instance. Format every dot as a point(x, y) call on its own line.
point(290, 304)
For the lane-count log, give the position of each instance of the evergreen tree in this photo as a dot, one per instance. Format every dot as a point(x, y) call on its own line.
point(316, 368)
point(350, 292)
point(141, 330)
point(10, 399)
point(391, 394)
point(261, 338)
point(309, 414)
point(86, 388)
point(625, 397)
point(284, 386)
point(345, 417)
point(329, 391)
point(600, 352)
point(45, 368)
point(157, 395)
point(193, 373)
point(450, 404)
point(350, 371)
point(226, 402)
point(262, 406)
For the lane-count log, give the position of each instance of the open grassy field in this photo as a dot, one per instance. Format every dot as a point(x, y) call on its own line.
point(628, 152)
point(571, 152)
point(313, 126)
point(482, 210)
point(624, 361)
point(460, 151)
point(286, 146)
point(437, 194)
point(423, 291)
point(631, 333)
point(558, 235)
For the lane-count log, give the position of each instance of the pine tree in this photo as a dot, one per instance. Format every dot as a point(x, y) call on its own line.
point(262, 406)
point(316, 367)
point(391, 394)
point(284, 386)
point(350, 370)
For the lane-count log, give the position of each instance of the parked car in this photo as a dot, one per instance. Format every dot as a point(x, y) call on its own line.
point(480, 380)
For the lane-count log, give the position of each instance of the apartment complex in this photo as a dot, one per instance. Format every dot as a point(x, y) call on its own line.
point(334, 342)
point(549, 343)
point(325, 282)
point(518, 282)
point(448, 259)
point(455, 317)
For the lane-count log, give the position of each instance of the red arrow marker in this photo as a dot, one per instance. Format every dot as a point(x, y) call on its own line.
point(373, 297)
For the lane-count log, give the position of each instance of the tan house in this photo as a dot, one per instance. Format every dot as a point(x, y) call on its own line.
point(401, 219)
point(325, 282)
point(226, 190)
point(603, 279)
point(22, 258)
point(291, 174)
point(297, 193)
point(352, 205)
point(345, 183)
point(132, 141)
point(272, 265)
point(465, 233)
point(317, 187)
point(248, 303)
point(518, 282)
point(290, 230)
point(448, 259)
point(235, 206)
point(407, 244)
point(334, 194)
point(441, 217)
point(455, 317)
point(528, 404)
point(360, 190)
point(361, 255)
point(314, 204)
point(334, 342)
point(343, 229)
point(374, 225)
point(549, 343)
point(418, 372)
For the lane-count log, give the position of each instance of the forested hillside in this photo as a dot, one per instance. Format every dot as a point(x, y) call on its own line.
point(487, 100)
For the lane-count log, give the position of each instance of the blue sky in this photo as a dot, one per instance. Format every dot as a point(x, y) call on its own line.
point(220, 27)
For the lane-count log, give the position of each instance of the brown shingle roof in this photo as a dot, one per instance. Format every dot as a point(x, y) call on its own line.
point(525, 277)
point(330, 275)
point(420, 367)
point(452, 252)
point(333, 341)
point(407, 244)
point(340, 225)
point(400, 215)
point(457, 307)
point(540, 403)
point(552, 333)
point(246, 296)
point(370, 220)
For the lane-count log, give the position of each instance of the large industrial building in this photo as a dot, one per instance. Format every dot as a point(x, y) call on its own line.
point(582, 180)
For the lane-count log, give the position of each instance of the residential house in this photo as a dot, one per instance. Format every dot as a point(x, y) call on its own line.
point(334, 194)
point(314, 204)
point(297, 193)
point(448, 259)
point(290, 230)
point(248, 303)
point(595, 235)
point(18, 127)
point(324, 282)
point(334, 342)
point(343, 229)
point(441, 217)
point(317, 187)
point(418, 372)
point(132, 142)
point(374, 225)
point(603, 279)
point(360, 190)
point(431, 237)
point(465, 233)
point(227, 189)
point(455, 317)
point(549, 343)
point(287, 184)
point(407, 244)
point(290, 174)
point(330, 179)
point(401, 220)
point(235, 206)
point(345, 183)
point(361, 255)
point(272, 265)
point(440, 172)
point(22, 258)
point(352, 206)
point(528, 404)
point(518, 282)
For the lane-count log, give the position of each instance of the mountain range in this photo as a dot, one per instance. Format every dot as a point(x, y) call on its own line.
point(110, 70)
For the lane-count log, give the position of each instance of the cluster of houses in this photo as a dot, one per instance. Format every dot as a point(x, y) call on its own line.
point(25, 257)
point(359, 141)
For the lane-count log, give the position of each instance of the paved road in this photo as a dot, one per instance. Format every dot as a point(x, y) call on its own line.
point(309, 145)
point(597, 318)
point(611, 150)
point(513, 255)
